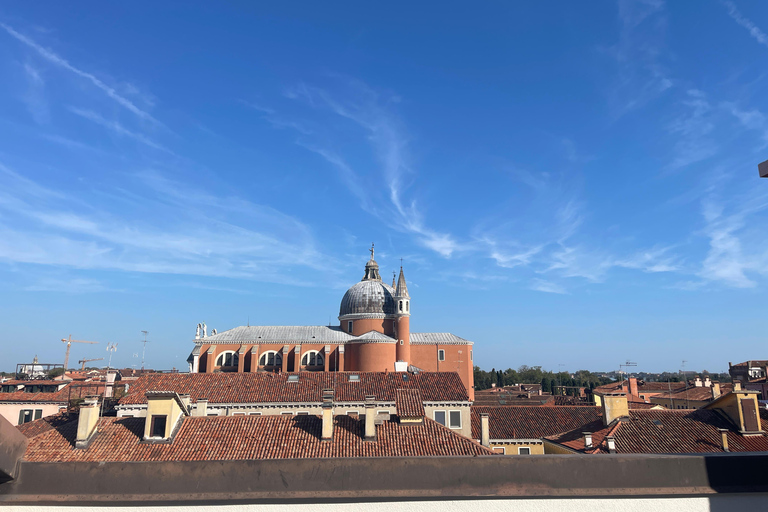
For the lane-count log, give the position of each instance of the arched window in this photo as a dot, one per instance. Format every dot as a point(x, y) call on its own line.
point(407, 306)
point(401, 305)
point(271, 358)
point(229, 358)
point(312, 358)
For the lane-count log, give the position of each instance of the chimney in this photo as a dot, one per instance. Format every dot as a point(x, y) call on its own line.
point(485, 430)
point(109, 389)
point(697, 382)
point(327, 434)
point(736, 385)
point(202, 407)
point(633, 386)
point(185, 400)
point(611, 442)
point(614, 406)
point(87, 422)
point(707, 382)
point(715, 390)
point(587, 439)
point(370, 418)
point(724, 439)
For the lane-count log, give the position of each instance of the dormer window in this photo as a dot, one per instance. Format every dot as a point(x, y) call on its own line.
point(159, 422)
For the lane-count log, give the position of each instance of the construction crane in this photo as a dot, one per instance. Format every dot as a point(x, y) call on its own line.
point(69, 341)
point(83, 361)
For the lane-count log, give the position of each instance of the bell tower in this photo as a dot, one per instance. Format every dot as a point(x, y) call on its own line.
point(402, 319)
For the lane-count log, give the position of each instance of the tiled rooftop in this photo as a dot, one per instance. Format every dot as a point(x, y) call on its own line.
point(220, 438)
point(642, 386)
point(531, 422)
point(665, 431)
point(408, 403)
point(62, 396)
point(266, 387)
point(699, 394)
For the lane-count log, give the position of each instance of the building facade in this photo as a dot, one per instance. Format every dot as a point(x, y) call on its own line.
point(373, 335)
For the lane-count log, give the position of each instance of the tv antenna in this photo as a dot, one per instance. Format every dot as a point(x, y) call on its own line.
point(144, 350)
point(111, 348)
point(627, 364)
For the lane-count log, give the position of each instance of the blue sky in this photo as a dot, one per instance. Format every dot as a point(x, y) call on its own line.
point(568, 183)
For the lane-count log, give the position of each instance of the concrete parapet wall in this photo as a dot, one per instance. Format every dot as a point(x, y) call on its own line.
point(441, 478)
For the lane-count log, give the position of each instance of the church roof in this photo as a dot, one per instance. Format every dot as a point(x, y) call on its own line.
point(267, 387)
point(266, 334)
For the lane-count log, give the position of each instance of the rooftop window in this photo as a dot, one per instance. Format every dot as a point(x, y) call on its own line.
point(293, 378)
point(354, 378)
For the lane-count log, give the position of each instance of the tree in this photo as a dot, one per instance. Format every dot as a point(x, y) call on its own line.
point(545, 385)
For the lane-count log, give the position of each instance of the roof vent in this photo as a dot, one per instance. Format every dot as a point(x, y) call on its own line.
point(354, 378)
point(293, 378)
point(405, 377)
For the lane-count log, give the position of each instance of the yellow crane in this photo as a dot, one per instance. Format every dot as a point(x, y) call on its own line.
point(69, 341)
point(83, 361)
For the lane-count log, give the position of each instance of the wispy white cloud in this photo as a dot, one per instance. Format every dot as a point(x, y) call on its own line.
point(117, 128)
point(54, 58)
point(368, 111)
point(257, 243)
point(541, 285)
point(638, 54)
point(759, 36)
point(74, 286)
point(727, 228)
point(693, 129)
point(34, 97)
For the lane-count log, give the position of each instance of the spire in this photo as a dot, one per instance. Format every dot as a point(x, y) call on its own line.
point(393, 279)
point(402, 288)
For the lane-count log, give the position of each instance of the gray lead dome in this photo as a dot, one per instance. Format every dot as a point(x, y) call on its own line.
point(368, 297)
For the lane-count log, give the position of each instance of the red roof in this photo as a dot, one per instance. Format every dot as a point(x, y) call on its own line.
point(696, 393)
point(250, 437)
point(39, 426)
point(531, 422)
point(642, 386)
point(264, 387)
point(409, 404)
point(665, 431)
point(62, 396)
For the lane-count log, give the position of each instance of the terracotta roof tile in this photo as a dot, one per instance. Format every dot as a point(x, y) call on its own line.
point(409, 404)
point(264, 387)
point(665, 431)
point(531, 422)
point(250, 437)
point(39, 426)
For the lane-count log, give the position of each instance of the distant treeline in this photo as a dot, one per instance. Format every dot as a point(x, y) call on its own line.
point(535, 375)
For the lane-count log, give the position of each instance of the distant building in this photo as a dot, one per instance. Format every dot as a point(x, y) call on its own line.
point(373, 335)
point(752, 375)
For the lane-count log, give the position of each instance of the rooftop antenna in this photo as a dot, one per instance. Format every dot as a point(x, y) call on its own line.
point(144, 350)
point(111, 348)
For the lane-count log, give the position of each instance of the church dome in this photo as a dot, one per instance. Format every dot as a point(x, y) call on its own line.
point(370, 297)
point(367, 298)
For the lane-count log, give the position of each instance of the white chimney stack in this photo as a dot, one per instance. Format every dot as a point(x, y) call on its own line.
point(370, 418)
point(87, 422)
point(485, 430)
point(587, 439)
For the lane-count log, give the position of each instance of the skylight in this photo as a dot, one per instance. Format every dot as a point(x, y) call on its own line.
point(354, 378)
point(293, 378)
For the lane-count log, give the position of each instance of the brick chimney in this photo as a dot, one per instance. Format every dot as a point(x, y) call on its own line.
point(370, 418)
point(633, 386)
point(614, 406)
point(485, 430)
point(327, 433)
point(87, 422)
